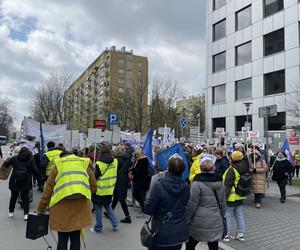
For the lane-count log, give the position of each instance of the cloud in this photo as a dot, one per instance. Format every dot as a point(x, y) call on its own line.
point(37, 36)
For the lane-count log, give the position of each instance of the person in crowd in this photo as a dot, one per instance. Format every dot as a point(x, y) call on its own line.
point(21, 179)
point(282, 167)
point(231, 178)
point(37, 159)
point(195, 168)
point(60, 146)
point(91, 153)
point(221, 163)
point(297, 162)
point(140, 176)
point(206, 208)
point(69, 201)
point(188, 149)
point(106, 176)
point(166, 202)
point(156, 150)
point(258, 168)
point(120, 192)
point(47, 162)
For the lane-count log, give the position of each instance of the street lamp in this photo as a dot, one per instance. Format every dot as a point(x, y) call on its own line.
point(247, 105)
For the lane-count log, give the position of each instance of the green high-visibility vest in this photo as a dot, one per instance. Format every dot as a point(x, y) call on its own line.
point(233, 196)
point(52, 155)
point(72, 178)
point(297, 157)
point(107, 181)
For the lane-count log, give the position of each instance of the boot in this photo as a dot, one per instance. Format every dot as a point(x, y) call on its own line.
point(126, 220)
point(258, 205)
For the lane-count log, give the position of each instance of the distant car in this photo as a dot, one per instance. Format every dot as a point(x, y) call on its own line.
point(2, 140)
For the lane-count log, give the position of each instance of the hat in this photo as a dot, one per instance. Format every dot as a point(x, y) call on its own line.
point(238, 145)
point(237, 156)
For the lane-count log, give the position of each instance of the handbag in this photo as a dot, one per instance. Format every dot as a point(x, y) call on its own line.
point(37, 225)
point(147, 235)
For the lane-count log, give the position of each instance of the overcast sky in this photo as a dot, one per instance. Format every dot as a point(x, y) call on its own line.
point(38, 36)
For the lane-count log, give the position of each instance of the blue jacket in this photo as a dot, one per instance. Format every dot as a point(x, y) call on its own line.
point(167, 203)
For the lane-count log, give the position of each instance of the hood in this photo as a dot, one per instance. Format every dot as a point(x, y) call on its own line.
point(173, 184)
point(210, 179)
point(106, 158)
point(24, 157)
point(241, 166)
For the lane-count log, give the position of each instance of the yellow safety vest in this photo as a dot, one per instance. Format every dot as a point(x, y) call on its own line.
point(233, 196)
point(72, 178)
point(195, 168)
point(107, 181)
point(52, 155)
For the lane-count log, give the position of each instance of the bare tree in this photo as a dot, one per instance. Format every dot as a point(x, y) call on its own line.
point(6, 120)
point(293, 102)
point(47, 104)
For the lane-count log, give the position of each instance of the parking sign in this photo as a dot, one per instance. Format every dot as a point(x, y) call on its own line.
point(113, 118)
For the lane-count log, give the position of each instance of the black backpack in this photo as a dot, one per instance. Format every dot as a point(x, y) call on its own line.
point(243, 186)
point(21, 174)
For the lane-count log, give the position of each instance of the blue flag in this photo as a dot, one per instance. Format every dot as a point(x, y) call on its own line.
point(286, 148)
point(163, 158)
point(147, 147)
point(42, 146)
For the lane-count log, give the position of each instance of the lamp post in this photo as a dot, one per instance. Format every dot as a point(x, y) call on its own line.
point(247, 106)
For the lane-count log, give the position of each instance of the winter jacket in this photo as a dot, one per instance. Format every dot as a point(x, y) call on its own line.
point(259, 178)
point(141, 178)
point(221, 166)
point(195, 168)
point(69, 214)
point(21, 161)
point(120, 191)
point(167, 202)
point(206, 223)
point(280, 168)
point(242, 167)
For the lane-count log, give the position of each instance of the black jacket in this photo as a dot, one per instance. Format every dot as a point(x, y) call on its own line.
point(280, 168)
point(221, 166)
point(19, 161)
point(141, 179)
point(105, 199)
point(167, 202)
point(120, 191)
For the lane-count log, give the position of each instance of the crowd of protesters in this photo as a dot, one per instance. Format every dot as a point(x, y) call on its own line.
point(199, 208)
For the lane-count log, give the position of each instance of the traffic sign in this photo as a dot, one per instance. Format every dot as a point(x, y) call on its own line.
point(113, 118)
point(183, 122)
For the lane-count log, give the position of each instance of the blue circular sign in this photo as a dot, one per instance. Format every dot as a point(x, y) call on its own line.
point(183, 122)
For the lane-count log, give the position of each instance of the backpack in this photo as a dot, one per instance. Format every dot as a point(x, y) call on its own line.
point(243, 186)
point(21, 174)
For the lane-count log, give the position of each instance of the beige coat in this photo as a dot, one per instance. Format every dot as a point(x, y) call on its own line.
point(259, 179)
point(67, 215)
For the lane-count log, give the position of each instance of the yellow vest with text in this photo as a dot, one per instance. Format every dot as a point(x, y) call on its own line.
point(52, 156)
point(107, 181)
point(233, 196)
point(72, 179)
point(195, 168)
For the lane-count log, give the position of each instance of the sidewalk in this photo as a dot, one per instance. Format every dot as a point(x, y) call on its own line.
point(273, 227)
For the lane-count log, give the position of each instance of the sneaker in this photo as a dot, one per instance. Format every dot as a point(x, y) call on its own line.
point(226, 238)
point(10, 215)
point(115, 228)
point(258, 205)
point(240, 237)
point(25, 217)
point(126, 220)
point(282, 200)
point(92, 230)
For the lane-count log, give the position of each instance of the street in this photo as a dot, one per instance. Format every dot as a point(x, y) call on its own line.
point(275, 226)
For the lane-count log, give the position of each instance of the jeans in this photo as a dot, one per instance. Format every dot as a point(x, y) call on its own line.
point(238, 213)
point(258, 198)
point(123, 205)
point(63, 238)
point(111, 215)
point(192, 243)
point(177, 247)
point(25, 200)
point(282, 185)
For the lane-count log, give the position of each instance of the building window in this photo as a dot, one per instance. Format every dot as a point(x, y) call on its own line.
point(219, 94)
point(218, 123)
point(243, 89)
point(240, 122)
point(274, 82)
point(277, 122)
point(274, 42)
point(243, 18)
point(243, 54)
point(219, 62)
point(121, 61)
point(120, 90)
point(218, 3)
point(272, 6)
point(140, 64)
point(140, 73)
point(121, 71)
point(219, 30)
point(121, 80)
